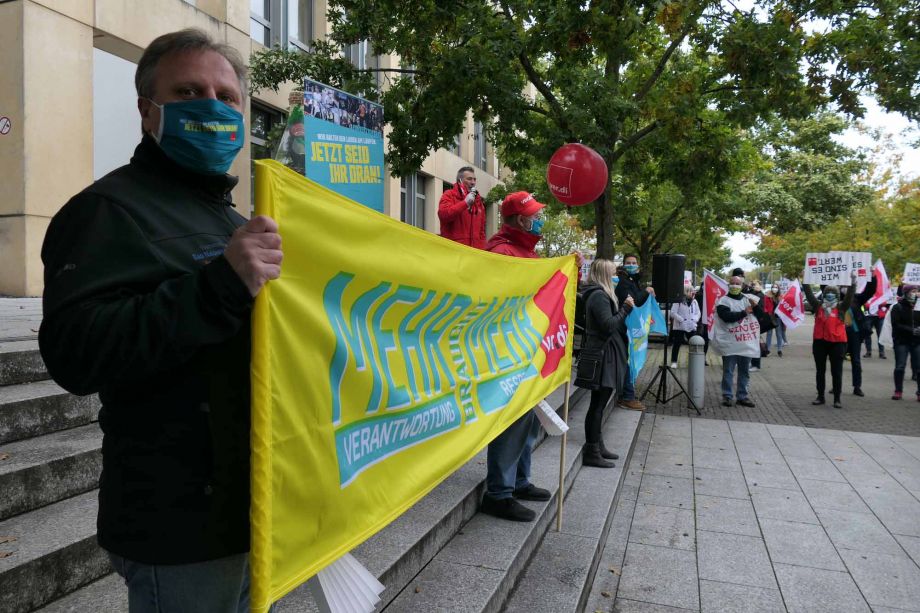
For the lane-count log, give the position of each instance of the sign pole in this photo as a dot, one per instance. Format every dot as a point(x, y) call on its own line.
point(561, 492)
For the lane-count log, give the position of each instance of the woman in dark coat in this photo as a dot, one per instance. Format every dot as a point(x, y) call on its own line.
point(605, 325)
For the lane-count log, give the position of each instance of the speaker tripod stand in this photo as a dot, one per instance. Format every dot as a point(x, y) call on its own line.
point(665, 371)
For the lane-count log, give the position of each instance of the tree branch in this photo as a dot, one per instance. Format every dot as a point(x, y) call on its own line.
point(663, 61)
point(667, 223)
point(634, 138)
point(536, 109)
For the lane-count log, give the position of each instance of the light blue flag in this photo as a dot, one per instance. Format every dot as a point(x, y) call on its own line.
point(639, 323)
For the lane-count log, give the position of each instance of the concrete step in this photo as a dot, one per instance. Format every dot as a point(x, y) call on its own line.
point(561, 573)
point(35, 409)
point(42, 470)
point(49, 553)
point(20, 362)
point(395, 555)
point(107, 594)
point(476, 571)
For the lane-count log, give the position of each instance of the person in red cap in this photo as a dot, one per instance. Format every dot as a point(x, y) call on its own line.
point(462, 212)
point(508, 458)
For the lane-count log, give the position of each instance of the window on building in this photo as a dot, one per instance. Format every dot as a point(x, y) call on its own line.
point(261, 122)
point(300, 24)
point(116, 125)
point(412, 199)
point(455, 146)
point(260, 21)
point(287, 23)
point(480, 147)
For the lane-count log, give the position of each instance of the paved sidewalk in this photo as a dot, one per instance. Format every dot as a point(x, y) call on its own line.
point(19, 319)
point(733, 516)
point(784, 388)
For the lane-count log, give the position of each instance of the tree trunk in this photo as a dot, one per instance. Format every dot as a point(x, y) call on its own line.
point(603, 225)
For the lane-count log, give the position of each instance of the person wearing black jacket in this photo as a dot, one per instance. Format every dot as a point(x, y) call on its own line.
point(905, 335)
point(605, 327)
point(628, 286)
point(855, 320)
point(150, 277)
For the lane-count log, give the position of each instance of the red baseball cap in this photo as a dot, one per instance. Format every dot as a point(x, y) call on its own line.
point(520, 203)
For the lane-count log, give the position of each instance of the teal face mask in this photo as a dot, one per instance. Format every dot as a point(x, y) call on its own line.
point(536, 227)
point(631, 269)
point(203, 135)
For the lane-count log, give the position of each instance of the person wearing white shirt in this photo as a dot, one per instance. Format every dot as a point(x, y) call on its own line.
point(685, 316)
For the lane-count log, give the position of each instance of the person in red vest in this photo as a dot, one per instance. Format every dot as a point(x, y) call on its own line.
point(830, 337)
point(462, 212)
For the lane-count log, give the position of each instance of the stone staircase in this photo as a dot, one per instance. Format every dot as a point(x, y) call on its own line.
point(441, 555)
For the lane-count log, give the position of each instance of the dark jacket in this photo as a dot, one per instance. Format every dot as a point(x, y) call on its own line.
point(628, 285)
point(514, 242)
point(606, 326)
point(141, 307)
point(904, 320)
point(857, 315)
point(459, 222)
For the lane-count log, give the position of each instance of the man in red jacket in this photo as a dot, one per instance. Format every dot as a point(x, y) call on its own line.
point(508, 459)
point(462, 212)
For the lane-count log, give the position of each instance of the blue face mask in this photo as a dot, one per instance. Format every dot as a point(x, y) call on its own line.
point(536, 227)
point(631, 269)
point(203, 135)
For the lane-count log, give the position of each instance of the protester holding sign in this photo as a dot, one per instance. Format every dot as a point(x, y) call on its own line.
point(830, 337)
point(771, 302)
point(905, 332)
point(605, 327)
point(736, 337)
point(628, 286)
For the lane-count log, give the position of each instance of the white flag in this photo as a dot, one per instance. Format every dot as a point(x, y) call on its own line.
point(791, 307)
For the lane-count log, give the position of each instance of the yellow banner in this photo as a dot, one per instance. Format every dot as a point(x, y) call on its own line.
point(383, 359)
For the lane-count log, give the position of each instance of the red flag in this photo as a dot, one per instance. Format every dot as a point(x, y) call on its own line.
point(713, 289)
point(882, 289)
point(791, 307)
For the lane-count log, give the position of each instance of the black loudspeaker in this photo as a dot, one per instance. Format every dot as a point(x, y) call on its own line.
point(668, 276)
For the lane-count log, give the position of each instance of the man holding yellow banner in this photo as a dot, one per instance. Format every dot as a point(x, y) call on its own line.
point(149, 281)
point(508, 461)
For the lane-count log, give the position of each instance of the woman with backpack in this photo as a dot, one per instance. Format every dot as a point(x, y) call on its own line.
point(829, 341)
point(605, 330)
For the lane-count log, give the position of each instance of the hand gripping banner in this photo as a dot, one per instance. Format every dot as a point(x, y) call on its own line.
point(383, 359)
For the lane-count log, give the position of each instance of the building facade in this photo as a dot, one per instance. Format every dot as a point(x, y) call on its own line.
point(68, 108)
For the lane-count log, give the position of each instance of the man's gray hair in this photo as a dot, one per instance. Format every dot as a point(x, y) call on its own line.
point(463, 170)
point(191, 39)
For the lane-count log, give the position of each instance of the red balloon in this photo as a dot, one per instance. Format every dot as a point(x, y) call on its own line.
point(576, 174)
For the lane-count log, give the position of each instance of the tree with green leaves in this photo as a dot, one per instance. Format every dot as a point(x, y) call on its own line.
point(616, 74)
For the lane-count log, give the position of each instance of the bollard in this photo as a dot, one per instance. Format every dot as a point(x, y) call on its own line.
point(696, 370)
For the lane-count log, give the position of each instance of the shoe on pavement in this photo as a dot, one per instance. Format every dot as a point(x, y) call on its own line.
point(818, 400)
point(882, 356)
point(506, 508)
point(673, 364)
point(867, 354)
point(633, 405)
point(896, 396)
point(726, 402)
point(591, 456)
point(837, 404)
point(754, 369)
point(780, 353)
point(858, 392)
point(746, 402)
point(532, 492)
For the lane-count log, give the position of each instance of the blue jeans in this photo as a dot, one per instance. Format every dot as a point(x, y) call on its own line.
point(728, 370)
point(901, 351)
point(780, 330)
point(629, 390)
point(508, 458)
point(218, 586)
